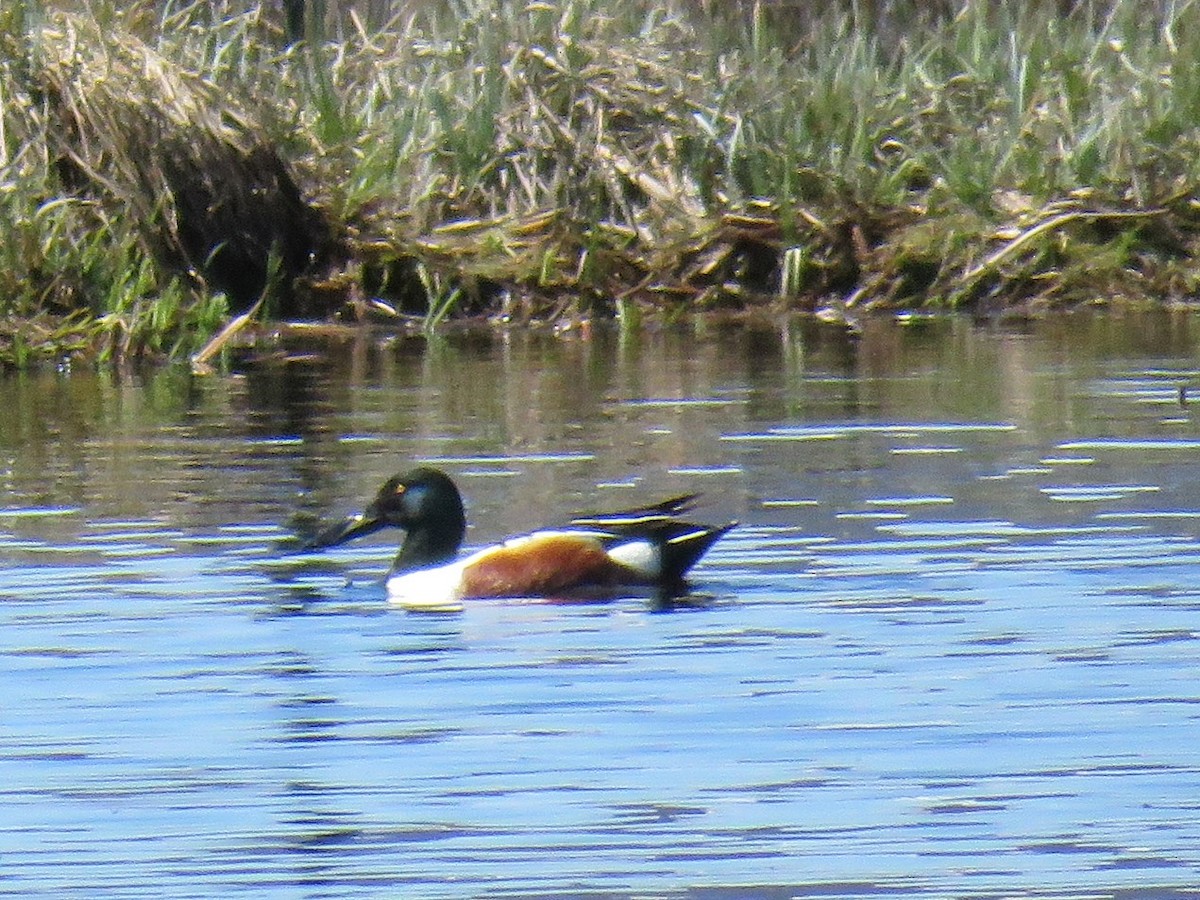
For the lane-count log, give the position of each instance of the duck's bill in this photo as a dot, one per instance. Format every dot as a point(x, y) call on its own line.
point(347, 529)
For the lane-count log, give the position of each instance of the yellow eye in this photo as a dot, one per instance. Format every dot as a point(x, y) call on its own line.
point(400, 489)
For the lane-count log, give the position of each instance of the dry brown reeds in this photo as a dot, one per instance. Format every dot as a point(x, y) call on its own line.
point(207, 188)
point(565, 158)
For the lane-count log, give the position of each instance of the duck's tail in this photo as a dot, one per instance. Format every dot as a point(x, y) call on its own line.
point(683, 543)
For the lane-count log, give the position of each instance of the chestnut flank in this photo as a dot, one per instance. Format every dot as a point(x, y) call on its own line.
point(539, 566)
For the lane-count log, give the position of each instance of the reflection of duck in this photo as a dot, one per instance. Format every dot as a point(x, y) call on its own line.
point(646, 546)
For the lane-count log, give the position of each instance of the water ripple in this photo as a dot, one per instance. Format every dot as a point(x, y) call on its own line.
point(952, 658)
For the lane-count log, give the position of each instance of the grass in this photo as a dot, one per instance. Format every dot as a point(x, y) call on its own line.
point(164, 165)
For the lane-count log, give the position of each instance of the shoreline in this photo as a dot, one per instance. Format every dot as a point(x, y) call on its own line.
point(166, 172)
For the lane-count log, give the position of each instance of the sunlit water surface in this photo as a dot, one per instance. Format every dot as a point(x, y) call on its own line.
point(950, 652)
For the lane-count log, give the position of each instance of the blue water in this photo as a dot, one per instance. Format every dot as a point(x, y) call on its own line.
point(951, 651)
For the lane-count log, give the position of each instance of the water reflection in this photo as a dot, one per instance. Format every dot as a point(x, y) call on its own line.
point(950, 652)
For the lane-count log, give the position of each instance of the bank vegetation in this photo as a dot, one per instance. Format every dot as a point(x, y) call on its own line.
point(166, 167)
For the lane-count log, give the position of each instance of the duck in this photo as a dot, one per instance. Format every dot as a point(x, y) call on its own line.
point(592, 556)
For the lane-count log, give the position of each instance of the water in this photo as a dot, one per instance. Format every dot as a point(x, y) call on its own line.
point(950, 652)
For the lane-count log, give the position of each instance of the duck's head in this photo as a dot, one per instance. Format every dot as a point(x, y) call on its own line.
point(425, 503)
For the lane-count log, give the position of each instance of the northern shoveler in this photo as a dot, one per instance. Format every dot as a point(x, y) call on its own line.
point(592, 554)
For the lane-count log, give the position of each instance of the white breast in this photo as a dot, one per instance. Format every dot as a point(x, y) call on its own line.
point(429, 590)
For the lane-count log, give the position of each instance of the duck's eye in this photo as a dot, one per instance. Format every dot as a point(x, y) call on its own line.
point(400, 489)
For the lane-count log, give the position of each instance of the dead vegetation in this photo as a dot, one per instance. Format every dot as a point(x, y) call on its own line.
point(562, 160)
point(200, 180)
